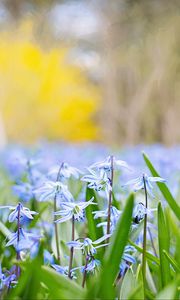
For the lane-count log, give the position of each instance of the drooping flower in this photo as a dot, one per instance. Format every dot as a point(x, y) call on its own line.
point(127, 259)
point(138, 183)
point(64, 270)
point(140, 211)
point(70, 209)
point(7, 280)
point(49, 189)
point(91, 266)
point(19, 211)
point(65, 171)
point(88, 246)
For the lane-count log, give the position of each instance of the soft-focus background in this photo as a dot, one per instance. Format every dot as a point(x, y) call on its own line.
point(99, 70)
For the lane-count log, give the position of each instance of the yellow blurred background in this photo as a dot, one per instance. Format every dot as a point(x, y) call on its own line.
point(104, 71)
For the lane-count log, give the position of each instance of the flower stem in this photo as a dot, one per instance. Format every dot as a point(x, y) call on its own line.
point(85, 271)
point(110, 198)
point(55, 224)
point(144, 238)
point(72, 248)
point(18, 240)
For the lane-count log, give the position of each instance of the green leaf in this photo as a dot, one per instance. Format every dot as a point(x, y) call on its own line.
point(138, 292)
point(59, 286)
point(173, 263)
point(5, 231)
point(93, 231)
point(115, 251)
point(164, 244)
point(163, 188)
point(169, 292)
point(128, 284)
point(148, 255)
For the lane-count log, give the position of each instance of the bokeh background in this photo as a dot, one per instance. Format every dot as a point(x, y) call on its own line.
point(106, 71)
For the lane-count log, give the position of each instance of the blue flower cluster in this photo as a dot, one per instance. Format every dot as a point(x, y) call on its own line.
point(56, 190)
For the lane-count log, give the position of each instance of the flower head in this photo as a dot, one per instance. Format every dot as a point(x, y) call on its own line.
point(106, 164)
point(88, 246)
point(97, 180)
point(70, 209)
point(127, 259)
point(51, 189)
point(23, 240)
point(66, 171)
point(138, 183)
point(21, 211)
point(63, 270)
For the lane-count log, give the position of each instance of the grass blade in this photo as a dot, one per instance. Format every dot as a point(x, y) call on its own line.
point(164, 244)
point(115, 251)
point(173, 263)
point(163, 188)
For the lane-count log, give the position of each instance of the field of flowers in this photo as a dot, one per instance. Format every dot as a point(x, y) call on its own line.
point(86, 222)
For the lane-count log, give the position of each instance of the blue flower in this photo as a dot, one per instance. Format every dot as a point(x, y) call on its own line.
point(48, 258)
point(21, 211)
point(70, 209)
point(138, 183)
point(90, 267)
point(88, 246)
point(140, 211)
point(64, 270)
point(26, 240)
point(115, 214)
point(6, 280)
point(106, 164)
point(127, 259)
point(49, 189)
point(97, 180)
point(66, 171)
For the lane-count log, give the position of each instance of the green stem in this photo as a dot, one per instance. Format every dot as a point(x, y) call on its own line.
point(144, 238)
point(55, 218)
point(110, 199)
point(72, 248)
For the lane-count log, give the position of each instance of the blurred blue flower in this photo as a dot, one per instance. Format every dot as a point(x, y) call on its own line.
point(70, 209)
point(66, 171)
point(138, 183)
point(49, 189)
point(6, 280)
point(26, 240)
point(24, 191)
point(48, 258)
point(64, 270)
